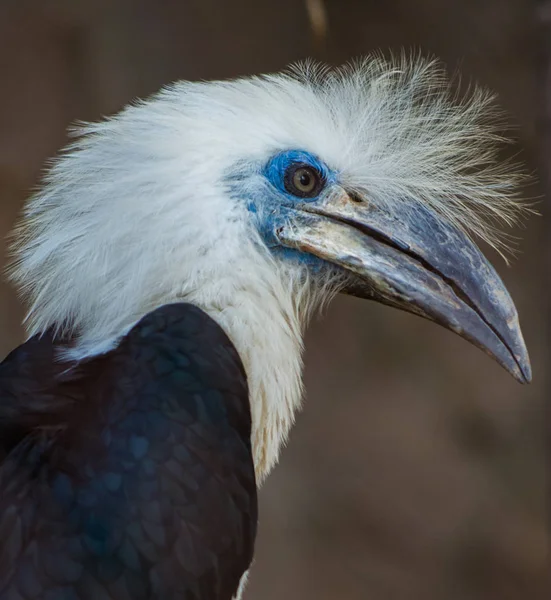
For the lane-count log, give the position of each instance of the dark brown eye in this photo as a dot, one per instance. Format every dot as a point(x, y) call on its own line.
point(303, 181)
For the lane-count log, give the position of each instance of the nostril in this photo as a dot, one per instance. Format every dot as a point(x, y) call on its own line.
point(355, 197)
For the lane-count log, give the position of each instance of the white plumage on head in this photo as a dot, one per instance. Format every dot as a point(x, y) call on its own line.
point(137, 212)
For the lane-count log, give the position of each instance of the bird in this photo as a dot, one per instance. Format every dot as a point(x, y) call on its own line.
point(171, 260)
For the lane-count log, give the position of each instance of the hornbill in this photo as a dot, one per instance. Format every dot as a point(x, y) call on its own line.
point(171, 261)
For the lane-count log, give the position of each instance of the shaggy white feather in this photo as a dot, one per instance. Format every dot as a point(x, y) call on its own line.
point(136, 212)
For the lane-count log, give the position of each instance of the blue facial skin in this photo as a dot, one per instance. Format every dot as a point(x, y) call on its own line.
point(275, 170)
point(262, 188)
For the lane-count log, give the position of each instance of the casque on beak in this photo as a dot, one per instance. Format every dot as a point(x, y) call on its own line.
point(414, 260)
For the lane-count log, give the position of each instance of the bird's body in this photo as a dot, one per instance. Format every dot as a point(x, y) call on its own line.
point(147, 490)
point(253, 202)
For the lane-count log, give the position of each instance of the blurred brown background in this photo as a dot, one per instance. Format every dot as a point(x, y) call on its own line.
point(417, 469)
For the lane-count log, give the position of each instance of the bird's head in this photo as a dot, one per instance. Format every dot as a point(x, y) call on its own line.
point(260, 198)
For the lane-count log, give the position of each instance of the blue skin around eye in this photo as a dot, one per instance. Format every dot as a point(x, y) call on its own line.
point(262, 189)
point(275, 169)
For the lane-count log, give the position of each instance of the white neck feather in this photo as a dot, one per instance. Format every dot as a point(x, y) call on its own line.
point(265, 326)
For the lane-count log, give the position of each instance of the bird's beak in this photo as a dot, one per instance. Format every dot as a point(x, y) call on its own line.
point(414, 260)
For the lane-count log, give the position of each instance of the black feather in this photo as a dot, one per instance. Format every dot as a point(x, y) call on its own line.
point(129, 476)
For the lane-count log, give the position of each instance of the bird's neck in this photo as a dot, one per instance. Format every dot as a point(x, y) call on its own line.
point(265, 324)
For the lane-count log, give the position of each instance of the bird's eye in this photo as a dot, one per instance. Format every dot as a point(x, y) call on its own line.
point(303, 181)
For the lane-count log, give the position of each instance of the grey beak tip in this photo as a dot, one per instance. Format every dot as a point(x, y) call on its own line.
point(526, 370)
point(518, 351)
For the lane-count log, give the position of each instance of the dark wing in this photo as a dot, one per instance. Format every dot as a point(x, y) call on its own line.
point(28, 399)
point(143, 485)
